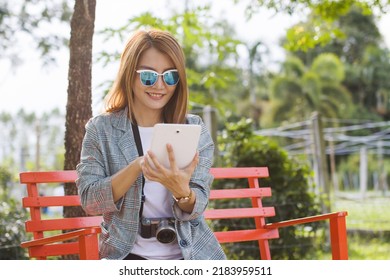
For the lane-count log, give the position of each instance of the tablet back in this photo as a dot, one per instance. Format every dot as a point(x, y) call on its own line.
point(184, 139)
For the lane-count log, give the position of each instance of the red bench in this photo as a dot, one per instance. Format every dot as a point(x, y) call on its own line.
point(85, 230)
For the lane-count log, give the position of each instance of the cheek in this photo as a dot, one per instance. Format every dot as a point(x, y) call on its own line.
point(136, 89)
point(136, 84)
point(172, 90)
point(171, 94)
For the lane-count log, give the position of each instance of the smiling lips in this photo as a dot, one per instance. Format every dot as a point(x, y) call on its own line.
point(155, 95)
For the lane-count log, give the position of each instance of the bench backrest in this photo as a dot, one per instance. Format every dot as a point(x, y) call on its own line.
point(40, 224)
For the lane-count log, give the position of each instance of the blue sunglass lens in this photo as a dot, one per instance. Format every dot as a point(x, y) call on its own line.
point(171, 78)
point(148, 78)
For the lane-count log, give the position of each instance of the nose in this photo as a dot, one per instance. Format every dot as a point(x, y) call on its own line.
point(159, 83)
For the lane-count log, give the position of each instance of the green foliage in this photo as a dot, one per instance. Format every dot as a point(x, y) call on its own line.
point(350, 166)
point(5, 178)
point(22, 132)
point(12, 217)
point(293, 67)
point(303, 37)
point(300, 90)
point(325, 9)
point(365, 60)
point(329, 68)
point(322, 28)
point(288, 180)
point(357, 32)
point(31, 19)
point(374, 82)
point(12, 231)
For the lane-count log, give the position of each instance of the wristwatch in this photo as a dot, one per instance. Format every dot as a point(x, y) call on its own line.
point(183, 199)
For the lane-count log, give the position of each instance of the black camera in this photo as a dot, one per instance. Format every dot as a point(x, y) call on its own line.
point(161, 228)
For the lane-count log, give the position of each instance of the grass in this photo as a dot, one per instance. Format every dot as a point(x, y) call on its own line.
point(368, 225)
point(371, 213)
point(369, 249)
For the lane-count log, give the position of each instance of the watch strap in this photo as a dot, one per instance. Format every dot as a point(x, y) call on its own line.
point(183, 199)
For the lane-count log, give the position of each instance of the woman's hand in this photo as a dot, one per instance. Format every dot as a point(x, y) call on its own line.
point(174, 179)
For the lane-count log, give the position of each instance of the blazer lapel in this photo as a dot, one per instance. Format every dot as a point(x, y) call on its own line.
point(126, 143)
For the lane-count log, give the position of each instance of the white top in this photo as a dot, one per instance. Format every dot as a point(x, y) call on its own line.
point(157, 205)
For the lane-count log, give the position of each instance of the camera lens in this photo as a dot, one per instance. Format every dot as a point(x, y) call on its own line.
point(165, 232)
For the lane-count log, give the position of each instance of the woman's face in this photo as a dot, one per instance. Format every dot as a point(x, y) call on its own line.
point(152, 99)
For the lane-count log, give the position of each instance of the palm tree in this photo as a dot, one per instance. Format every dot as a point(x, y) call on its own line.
point(298, 91)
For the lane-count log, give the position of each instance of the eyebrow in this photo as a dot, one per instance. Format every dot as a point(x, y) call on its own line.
point(151, 68)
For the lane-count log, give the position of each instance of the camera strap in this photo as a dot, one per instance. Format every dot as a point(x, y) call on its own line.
point(138, 143)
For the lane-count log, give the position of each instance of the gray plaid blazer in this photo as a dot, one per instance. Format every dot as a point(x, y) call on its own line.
point(109, 146)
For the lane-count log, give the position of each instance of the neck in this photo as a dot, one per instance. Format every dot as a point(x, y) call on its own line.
point(148, 119)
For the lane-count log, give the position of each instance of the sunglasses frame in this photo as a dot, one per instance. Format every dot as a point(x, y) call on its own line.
point(158, 74)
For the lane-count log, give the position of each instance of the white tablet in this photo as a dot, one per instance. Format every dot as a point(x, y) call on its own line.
point(184, 139)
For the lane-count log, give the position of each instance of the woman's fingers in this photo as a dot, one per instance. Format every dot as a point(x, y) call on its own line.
point(171, 157)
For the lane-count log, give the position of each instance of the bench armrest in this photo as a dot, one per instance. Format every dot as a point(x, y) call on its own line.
point(87, 239)
point(338, 230)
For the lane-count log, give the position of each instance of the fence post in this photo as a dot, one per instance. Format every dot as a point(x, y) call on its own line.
point(319, 162)
point(363, 171)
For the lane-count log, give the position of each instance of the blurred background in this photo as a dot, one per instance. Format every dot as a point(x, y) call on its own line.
point(299, 86)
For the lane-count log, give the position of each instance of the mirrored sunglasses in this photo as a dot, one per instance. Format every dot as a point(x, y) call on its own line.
point(149, 77)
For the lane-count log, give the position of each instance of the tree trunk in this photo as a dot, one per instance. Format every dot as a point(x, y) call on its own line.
point(79, 106)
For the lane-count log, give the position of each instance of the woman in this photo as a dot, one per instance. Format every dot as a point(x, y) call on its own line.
point(118, 182)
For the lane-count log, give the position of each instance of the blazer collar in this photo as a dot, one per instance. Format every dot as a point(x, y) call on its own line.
point(121, 120)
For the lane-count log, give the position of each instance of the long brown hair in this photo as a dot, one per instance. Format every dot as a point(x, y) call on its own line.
point(121, 94)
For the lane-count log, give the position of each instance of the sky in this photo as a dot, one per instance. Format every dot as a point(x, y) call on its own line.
point(38, 89)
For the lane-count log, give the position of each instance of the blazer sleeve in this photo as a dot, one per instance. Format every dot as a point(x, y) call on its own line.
point(94, 185)
point(201, 179)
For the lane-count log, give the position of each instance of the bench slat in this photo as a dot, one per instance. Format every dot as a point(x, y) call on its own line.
point(236, 213)
point(63, 223)
point(67, 176)
point(48, 201)
point(240, 193)
point(245, 235)
point(239, 172)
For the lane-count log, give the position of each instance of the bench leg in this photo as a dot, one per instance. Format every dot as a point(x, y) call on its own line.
point(265, 253)
point(89, 247)
point(338, 238)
